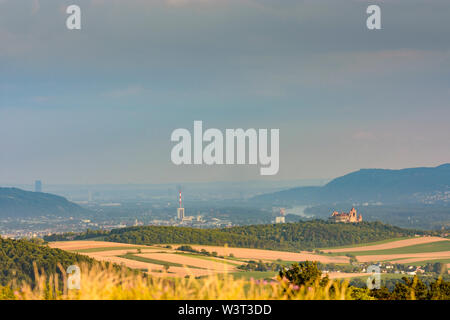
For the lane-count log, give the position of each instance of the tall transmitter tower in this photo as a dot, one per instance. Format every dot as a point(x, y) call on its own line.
point(180, 210)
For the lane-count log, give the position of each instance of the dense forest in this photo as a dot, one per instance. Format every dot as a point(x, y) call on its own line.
point(160, 235)
point(17, 258)
point(304, 235)
point(289, 236)
point(320, 234)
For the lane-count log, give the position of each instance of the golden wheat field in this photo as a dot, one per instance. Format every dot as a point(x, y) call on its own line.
point(101, 283)
point(390, 245)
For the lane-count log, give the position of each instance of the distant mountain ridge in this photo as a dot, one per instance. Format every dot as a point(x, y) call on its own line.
point(423, 185)
point(19, 203)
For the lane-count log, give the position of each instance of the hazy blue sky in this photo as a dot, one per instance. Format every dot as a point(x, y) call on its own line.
point(99, 105)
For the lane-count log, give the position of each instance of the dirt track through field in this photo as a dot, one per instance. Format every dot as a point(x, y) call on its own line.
point(390, 245)
point(82, 245)
point(189, 261)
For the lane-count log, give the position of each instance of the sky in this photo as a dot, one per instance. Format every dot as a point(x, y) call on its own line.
point(98, 105)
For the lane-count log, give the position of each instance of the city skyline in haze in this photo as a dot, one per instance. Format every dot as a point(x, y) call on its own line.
point(98, 105)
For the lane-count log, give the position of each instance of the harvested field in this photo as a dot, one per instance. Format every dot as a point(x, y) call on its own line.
point(200, 266)
point(266, 255)
point(156, 269)
point(82, 245)
point(390, 245)
point(216, 259)
point(105, 253)
point(189, 261)
point(404, 256)
point(129, 263)
point(411, 260)
point(159, 261)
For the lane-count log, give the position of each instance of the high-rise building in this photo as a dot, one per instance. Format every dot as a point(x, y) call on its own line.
point(281, 218)
point(180, 214)
point(38, 186)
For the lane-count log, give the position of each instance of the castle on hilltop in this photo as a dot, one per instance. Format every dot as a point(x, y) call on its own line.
point(352, 216)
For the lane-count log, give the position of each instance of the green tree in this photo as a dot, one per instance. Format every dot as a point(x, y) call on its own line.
point(380, 294)
point(305, 273)
point(410, 288)
point(439, 290)
point(361, 294)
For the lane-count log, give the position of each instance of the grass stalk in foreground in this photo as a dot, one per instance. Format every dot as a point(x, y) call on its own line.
point(107, 283)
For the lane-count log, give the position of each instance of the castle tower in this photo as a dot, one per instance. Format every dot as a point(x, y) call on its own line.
point(352, 216)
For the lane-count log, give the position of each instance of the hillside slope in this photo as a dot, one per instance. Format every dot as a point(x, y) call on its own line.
point(17, 258)
point(423, 185)
point(19, 203)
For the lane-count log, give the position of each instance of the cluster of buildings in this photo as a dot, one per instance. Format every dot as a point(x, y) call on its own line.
point(38, 227)
point(196, 221)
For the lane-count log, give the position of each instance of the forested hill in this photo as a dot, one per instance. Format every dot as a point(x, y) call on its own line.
point(17, 258)
point(320, 233)
point(20, 203)
point(410, 185)
point(289, 236)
